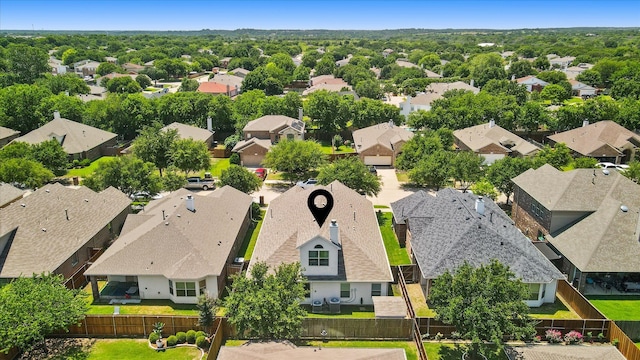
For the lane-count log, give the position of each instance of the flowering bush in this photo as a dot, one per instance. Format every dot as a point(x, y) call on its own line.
point(573, 337)
point(537, 339)
point(553, 336)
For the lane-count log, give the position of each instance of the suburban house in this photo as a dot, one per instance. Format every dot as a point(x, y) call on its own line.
point(532, 83)
point(177, 248)
point(443, 232)
point(431, 74)
point(192, 132)
point(380, 144)
point(443, 87)
point(6, 135)
point(240, 72)
point(78, 140)
point(589, 217)
point(606, 141)
point(234, 82)
point(260, 134)
point(86, 67)
point(433, 92)
point(573, 71)
point(57, 67)
point(582, 90)
point(493, 142)
point(406, 64)
point(9, 194)
point(132, 68)
point(561, 62)
point(344, 260)
point(224, 62)
point(214, 88)
point(330, 87)
point(59, 230)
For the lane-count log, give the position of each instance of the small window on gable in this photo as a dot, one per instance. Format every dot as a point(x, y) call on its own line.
point(318, 247)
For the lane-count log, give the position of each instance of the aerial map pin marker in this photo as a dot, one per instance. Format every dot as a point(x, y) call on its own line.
point(320, 213)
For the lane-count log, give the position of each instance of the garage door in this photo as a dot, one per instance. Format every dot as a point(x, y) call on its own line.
point(251, 160)
point(377, 160)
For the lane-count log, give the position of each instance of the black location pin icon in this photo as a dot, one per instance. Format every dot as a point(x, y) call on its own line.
point(320, 213)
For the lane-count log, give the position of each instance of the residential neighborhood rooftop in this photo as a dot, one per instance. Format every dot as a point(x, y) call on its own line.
point(384, 134)
point(590, 139)
point(480, 136)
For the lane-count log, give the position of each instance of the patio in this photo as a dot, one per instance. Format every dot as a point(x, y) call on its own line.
point(612, 284)
point(120, 290)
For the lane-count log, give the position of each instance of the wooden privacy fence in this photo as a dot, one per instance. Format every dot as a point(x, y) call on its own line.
point(129, 325)
point(578, 302)
point(626, 346)
point(631, 328)
point(417, 335)
point(217, 339)
point(341, 328)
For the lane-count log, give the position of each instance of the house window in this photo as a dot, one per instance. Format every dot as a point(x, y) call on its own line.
point(170, 287)
point(534, 291)
point(376, 289)
point(248, 135)
point(74, 259)
point(345, 290)
point(202, 286)
point(185, 288)
point(536, 209)
point(307, 290)
point(318, 258)
point(289, 136)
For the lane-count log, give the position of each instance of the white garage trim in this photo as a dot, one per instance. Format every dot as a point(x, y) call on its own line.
point(251, 160)
point(378, 160)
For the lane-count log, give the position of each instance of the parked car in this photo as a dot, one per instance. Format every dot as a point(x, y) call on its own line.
point(372, 169)
point(261, 173)
point(144, 195)
point(622, 167)
point(200, 183)
point(606, 165)
point(307, 184)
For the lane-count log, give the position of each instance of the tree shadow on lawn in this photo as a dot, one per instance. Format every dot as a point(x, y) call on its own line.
point(60, 349)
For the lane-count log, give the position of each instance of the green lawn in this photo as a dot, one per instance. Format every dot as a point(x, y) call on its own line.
point(638, 344)
point(346, 311)
point(625, 307)
point(448, 351)
point(86, 171)
point(380, 207)
point(397, 255)
point(557, 310)
point(249, 242)
point(217, 165)
point(327, 149)
point(132, 349)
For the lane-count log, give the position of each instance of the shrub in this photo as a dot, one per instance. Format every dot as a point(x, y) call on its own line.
point(601, 337)
point(172, 340)
point(182, 337)
point(553, 336)
point(202, 342)
point(234, 159)
point(153, 337)
point(200, 333)
point(589, 336)
point(191, 336)
point(455, 335)
point(615, 342)
point(85, 162)
point(438, 336)
point(573, 337)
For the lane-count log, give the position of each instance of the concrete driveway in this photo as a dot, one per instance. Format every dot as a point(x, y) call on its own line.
point(391, 189)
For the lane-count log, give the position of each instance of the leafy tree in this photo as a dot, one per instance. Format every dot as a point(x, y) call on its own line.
point(485, 67)
point(466, 168)
point(484, 188)
point(520, 69)
point(553, 77)
point(188, 85)
point(295, 158)
point(155, 74)
point(51, 155)
point(26, 63)
point(369, 89)
point(353, 173)
point(125, 115)
point(31, 308)
point(107, 68)
point(143, 80)
point(266, 305)
point(590, 77)
point(633, 172)
point(506, 87)
point(503, 170)
point(172, 67)
point(68, 82)
point(433, 170)
point(172, 180)
point(429, 61)
point(422, 144)
point(532, 116)
point(190, 155)
point(240, 178)
point(557, 156)
point(554, 93)
point(541, 63)
point(301, 73)
point(221, 114)
point(367, 112)
point(70, 107)
point(273, 86)
point(248, 106)
point(24, 171)
point(255, 80)
point(126, 173)
point(483, 303)
point(122, 85)
point(584, 163)
point(207, 308)
point(153, 145)
point(325, 66)
point(329, 110)
point(191, 108)
point(21, 107)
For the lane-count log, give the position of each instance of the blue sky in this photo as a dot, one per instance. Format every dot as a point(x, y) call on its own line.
point(301, 14)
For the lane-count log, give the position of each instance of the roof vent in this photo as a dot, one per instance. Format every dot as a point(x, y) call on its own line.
point(23, 205)
point(166, 223)
point(47, 191)
point(86, 200)
point(44, 230)
point(605, 171)
point(624, 208)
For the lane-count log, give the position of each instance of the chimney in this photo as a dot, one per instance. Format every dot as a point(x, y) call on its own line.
point(390, 123)
point(56, 114)
point(334, 234)
point(228, 91)
point(209, 124)
point(300, 113)
point(585, 123)
point(492, 123)
point(190, 203)
point(472, 82)
point(480, 205)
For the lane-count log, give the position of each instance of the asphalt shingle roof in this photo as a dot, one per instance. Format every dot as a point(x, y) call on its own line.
point(183, 244)
point(187, 131)
point(586, 140)
point(273, 123)
point(381, 134)
point(44, 238)
point(479, 136)
point(9, 193)
point(446, 231)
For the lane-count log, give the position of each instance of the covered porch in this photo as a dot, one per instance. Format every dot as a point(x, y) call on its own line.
point(612, 284)
point(117, 288)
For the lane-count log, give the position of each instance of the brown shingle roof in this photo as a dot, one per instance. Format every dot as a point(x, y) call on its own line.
point(7, 133)
point(272, 123)
point(76, 137)
point(560, 352)
point(479, 136)
point(187, 131)
point(9, 193)
point(288, 222)
point(587, 139)
point(380, 134)
point(184, 244)
point(45, 238)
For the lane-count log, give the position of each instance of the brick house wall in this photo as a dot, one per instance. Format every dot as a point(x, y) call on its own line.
point(258, 135)
point(527, 219)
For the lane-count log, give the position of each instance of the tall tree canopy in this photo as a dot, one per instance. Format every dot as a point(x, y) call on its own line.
point(353, 173)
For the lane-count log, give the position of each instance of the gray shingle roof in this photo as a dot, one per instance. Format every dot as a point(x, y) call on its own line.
point(187, 131)
point(272, 123)
point(9, 193)
point(76, 137)
point(479, 136)
point(380, 134)
point(446, 231)
point(184, 244)
point(587, 139)
point(559, 352)
point(35, 250)
point(606, 239)
point(288, 223)
point(243, 144)
point(6, 132)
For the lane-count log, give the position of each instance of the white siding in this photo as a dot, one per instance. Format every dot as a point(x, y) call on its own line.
point(154, 287)
point(331, 270)
point(321, 290)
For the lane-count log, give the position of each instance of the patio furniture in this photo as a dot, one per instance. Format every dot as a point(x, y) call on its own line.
point(632, 286)
point(132, 290)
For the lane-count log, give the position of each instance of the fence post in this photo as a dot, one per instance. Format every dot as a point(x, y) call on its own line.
point(113, 319)
point(86, 330)
point(144, 325)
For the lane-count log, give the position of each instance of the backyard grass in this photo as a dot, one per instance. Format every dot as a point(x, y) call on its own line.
point(638, 344)
point(249, 242)
point(86, 171)
point(402, 176)
point(327, 149)
point(449, 351)
point(346, 311)
point(418, 301)
point(380, 207)
point(625, 307)
point(557, 310)
point(133, 349)
point(397, 255)
point(217, 165)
